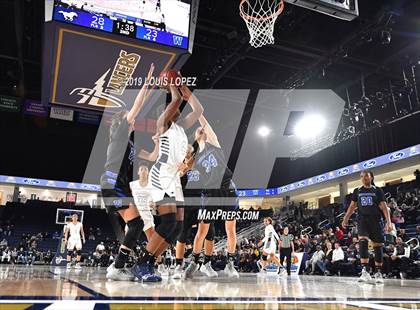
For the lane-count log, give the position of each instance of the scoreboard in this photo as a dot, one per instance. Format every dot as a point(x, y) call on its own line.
point(160, 21)
point(342, 9)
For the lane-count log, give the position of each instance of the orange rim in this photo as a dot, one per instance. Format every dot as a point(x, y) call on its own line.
point(251, 18)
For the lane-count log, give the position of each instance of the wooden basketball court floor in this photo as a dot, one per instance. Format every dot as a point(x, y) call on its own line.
point(43, 287)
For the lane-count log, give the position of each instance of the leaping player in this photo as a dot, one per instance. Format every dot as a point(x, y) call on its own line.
point(115, 182)
point(165, 180)
point(73, 237)
point(269, 242)
point(218, 190)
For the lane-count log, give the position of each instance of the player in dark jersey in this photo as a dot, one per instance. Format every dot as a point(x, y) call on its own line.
point(115, 181)
point(191, 219)
point(370, 203)
point(218, 189)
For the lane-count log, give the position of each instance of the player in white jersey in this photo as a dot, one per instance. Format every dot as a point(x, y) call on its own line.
point(142, 196)
point(270, 241)
point(165, 176)
point(73, 237)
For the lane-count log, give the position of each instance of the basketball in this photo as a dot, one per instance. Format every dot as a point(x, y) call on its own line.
point(169, 77)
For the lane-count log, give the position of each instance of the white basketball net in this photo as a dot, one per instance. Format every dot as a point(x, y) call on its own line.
point(260, 17)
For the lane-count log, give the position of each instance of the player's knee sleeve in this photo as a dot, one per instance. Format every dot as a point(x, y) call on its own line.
point(185, 233)
point(167, 226)
point(264, 257)
point(211, 232)
point(177, 231)
point(379, 254)
point(79, 252)
point(135, 228)
point(364, 248)
point(70, 252)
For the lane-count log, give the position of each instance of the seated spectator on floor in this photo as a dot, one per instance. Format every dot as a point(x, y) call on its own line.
point(400, 258)
point(14, 256)
point(100, 248)
point(21, 257)
point(6, 256)
point(322, 265)
point(317, 256)
point(219, 261)
point(48, 257)
point(337, 259)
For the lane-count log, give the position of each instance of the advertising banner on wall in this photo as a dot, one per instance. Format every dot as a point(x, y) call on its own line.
point(63, 114)
point(35, 108)
point(10, 104)
point(88, 118)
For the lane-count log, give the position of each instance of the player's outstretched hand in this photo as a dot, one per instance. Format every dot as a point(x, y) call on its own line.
point(344, 224)
point(150, 73)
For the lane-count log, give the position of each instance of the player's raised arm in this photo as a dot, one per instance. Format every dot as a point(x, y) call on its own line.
point(170, 110)
point(197, 108)
point(141, 96)
point(211, 135)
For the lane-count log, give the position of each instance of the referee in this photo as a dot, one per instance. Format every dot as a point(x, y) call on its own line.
point(370, 202)
point(286, 249)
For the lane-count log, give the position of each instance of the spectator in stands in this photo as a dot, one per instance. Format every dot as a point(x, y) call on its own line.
point(339, 234)
point(91, 234)
point(3, 243)
point(98, 232)
point(336, 261)
point(397, 217)
point(403, 235)
point(56, 235)
point(316, 257)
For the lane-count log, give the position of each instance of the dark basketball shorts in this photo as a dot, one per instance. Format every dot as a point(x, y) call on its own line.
point(220, 199)
point(116, 194)
point(371, 227)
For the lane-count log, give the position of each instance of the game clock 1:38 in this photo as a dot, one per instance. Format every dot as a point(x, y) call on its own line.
point(124, 28)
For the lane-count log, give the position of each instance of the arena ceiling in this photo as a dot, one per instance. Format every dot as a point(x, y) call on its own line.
point(311, 50)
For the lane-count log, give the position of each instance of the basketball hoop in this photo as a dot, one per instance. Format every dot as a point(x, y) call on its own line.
point(260, 17)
